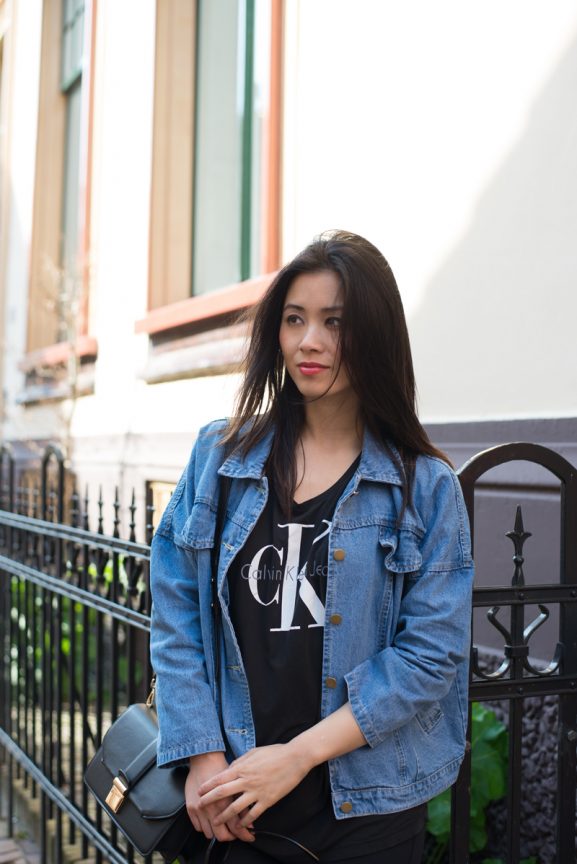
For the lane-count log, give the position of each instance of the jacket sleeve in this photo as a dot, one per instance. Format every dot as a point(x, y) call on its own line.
point(432, 636)
point(188, 720)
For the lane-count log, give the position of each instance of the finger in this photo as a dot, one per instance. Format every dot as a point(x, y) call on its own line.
point(212, 812)
point(239, 832)
point(205, 827)
point(217, 780)
point(222, 833)
point(226, 790)
point(243, 802)
point(195, 820)
point(244, 813)
point(254, 812)
point(194, 817)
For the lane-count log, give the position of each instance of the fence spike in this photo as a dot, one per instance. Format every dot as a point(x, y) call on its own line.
point(85, 516)
point(74, 508)
point(116, 508)
point(518, 537)
point(132, 510)
point(100, 508)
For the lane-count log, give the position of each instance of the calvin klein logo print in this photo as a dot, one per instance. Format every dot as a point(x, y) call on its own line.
point(293, 582)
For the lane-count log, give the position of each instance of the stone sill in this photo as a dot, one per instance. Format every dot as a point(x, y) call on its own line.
point(218, 352)
point(58, 354)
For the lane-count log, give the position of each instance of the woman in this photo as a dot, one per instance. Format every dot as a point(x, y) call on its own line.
point(344, 582)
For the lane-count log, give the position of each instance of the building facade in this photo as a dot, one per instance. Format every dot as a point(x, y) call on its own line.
point(161, 158)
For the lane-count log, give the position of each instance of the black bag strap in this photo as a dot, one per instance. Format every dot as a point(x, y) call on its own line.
point(223, 492)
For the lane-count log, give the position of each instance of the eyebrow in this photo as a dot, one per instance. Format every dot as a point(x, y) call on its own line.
point(324, 309)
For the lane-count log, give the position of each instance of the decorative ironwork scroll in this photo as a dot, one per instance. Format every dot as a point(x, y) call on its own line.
point(517, 648)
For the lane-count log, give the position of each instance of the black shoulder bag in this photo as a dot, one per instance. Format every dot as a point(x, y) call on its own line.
point(146, 803)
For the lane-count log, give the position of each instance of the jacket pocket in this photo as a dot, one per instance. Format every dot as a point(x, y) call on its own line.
point(391, 764)
point(429, 717)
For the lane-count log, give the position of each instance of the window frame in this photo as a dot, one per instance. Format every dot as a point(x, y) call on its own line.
point(207, 311)
point(49, 194)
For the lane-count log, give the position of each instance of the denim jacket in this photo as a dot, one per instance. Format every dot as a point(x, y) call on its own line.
point(397, 626)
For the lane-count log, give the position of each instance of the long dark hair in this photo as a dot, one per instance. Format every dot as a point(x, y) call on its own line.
point(374, 348)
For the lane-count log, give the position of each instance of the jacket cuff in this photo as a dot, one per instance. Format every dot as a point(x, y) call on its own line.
point(360, 713)
point(170, 757)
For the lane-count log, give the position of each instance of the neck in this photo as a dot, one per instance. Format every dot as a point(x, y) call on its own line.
point(333, 420)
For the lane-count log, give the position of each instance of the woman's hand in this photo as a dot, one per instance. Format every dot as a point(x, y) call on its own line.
point(264, 775)
point(253, 783)
point(206, 819)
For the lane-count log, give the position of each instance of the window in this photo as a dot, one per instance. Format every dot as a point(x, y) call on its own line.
point(71, 87)
point(232, 98)
point(57, 324)
point(158, 494)
point(215, 184)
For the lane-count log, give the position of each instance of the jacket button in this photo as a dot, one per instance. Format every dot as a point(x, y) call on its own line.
point(336, 618)
point(346, 807)
point(331, 683)
point(339, 554)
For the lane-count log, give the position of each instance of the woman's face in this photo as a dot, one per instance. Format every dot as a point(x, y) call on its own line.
point(309, 335)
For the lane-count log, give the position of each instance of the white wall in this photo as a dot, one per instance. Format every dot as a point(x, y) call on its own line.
point(446, 132)
point(25, 32)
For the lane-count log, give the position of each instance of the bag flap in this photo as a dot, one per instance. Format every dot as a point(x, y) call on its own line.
point(128, 737)
point(160, 793)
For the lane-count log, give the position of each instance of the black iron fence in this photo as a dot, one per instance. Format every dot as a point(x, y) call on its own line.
point(74, 622)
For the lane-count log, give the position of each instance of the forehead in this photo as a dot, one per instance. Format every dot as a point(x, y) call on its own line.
point(315, 290)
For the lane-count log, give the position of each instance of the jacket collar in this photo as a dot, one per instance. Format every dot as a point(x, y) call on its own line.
point(379, 464)
point(376, 463)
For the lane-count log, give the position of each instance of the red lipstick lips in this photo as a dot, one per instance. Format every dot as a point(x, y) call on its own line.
point(311, 368)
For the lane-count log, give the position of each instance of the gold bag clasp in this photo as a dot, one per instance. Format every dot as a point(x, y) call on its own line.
point(117, 794)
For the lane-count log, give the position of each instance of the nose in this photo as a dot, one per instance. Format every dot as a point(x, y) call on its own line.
point(311, 338)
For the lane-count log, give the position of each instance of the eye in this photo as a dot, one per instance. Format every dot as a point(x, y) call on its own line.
point(333, 322)
point(293, 318)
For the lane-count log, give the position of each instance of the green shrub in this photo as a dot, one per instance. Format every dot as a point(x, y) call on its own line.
point(489, 757)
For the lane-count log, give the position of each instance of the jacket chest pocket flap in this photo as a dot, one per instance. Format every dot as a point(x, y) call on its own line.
point(401, 549)
point(199, 527)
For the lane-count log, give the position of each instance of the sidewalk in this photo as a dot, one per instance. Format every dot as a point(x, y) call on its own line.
point(11, 853)
point(21, 851)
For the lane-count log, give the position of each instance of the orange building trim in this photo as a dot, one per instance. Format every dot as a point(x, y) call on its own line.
point(230, 299)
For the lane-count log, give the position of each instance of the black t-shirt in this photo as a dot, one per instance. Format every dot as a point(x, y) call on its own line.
point(277, 586)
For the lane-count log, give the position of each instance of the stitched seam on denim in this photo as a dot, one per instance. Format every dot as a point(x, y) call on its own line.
point(448, 567)
point(425, 781)
point(460, 510)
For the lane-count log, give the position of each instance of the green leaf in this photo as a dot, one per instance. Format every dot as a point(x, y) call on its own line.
point(488, 773)
point(488, 780)
point(439, 819)
point(477, 838)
